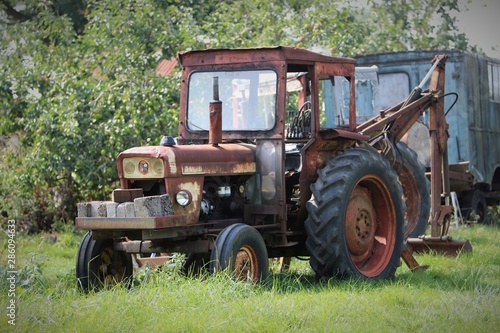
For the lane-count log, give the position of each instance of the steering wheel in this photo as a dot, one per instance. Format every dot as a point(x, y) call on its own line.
point(304, 107)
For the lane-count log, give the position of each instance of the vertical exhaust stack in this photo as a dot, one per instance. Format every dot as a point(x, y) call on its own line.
point(215, 108)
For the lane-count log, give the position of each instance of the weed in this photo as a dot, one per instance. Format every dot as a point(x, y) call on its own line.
point(494, 216)
point(29, 279)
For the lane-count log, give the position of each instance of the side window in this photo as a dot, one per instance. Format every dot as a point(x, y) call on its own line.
point(334, 101)
point(494, 82)
point(335, 96)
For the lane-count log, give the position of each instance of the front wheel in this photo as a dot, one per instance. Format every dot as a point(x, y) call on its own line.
point(98, 265)
point(241, 249)
point(356, 217)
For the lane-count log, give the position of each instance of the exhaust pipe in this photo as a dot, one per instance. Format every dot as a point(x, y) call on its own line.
point(215, 108)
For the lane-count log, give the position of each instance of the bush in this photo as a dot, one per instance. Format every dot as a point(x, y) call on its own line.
point(66, 123)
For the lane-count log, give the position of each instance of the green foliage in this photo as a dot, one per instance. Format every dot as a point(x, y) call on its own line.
point(76, 102)
point(494, 215)
point(78, 82)
point(28, 279)
point(415, 24)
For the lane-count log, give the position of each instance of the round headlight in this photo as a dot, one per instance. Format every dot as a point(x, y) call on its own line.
point(183, 198)
point(143, 167)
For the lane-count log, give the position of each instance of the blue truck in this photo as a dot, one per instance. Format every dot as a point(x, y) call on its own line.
point(472, 113)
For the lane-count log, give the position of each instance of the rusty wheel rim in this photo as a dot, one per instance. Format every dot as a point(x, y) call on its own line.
point(111, 271)
point(370, 228)
point(246, 266)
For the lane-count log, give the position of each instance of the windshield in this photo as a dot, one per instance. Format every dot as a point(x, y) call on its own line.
point(248, 100)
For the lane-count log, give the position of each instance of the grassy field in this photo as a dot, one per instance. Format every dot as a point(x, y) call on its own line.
point(454, 295)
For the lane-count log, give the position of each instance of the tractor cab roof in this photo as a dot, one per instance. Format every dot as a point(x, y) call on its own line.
point(289, 55)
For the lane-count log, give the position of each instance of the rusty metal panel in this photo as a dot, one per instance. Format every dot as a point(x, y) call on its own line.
point(214, 160)
point(98, 223)
point(192, 184)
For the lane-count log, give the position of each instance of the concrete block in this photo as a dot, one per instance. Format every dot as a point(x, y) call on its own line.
point(111, 208)
point(97, 209)
point(168, 209)
point(125, 209)
point(153, 206)
point(83, 209)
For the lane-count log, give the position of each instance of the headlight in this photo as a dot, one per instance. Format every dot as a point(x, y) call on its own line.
point(183, 198)
point(139, 167)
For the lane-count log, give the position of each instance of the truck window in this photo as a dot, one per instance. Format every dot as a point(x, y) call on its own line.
point(393, 88)
point(494, 82)
point(248, 99)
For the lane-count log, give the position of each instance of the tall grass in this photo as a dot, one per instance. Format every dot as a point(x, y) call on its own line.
point(454, 295)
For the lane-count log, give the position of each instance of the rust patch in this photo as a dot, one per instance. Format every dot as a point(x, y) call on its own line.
point(216, 168)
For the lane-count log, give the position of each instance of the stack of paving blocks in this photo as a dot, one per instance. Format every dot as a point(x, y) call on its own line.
point(126, 204)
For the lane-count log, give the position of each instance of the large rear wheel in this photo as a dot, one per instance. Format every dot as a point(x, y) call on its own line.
point(356, 217)
point(241, 249)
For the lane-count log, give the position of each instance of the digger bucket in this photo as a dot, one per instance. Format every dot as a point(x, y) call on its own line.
point(441, 245)
point(426, 244)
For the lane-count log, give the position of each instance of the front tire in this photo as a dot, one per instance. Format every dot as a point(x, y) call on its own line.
point(241, 249)
point(96, 265)
point(356, 217)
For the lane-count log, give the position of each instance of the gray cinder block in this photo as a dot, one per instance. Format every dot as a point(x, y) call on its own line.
point(83, 209)
point(153, 206)
point(111, 208)
point(97, 209)
point(125, 209)
point(168, 209)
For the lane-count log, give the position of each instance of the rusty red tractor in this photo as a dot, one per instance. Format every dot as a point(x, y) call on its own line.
point(263, 167)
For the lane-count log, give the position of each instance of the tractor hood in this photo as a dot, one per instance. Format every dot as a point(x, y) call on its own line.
point(177, 160)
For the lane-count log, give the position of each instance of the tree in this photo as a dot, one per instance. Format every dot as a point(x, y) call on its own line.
point(401, 25)
point(78, 100)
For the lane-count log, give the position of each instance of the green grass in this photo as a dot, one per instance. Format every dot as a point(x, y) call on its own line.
point(454, 295)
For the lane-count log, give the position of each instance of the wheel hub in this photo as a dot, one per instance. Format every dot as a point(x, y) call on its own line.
point(111, 269)
point(360, 223)
point(246, 265)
